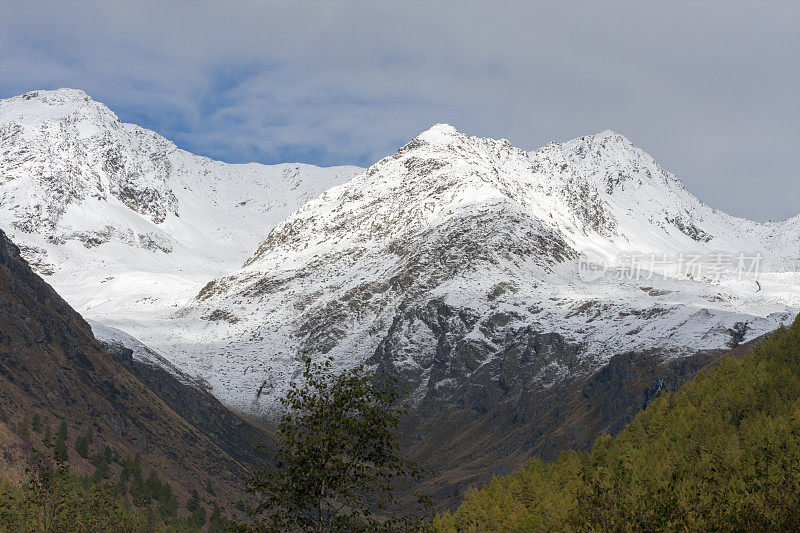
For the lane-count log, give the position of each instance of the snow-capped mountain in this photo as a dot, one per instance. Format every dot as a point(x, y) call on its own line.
point(449, 263)
point(123, 223)
point(438, 259)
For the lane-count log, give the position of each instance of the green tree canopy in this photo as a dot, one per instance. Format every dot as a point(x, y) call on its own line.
point(338, 458)
point(721, 454)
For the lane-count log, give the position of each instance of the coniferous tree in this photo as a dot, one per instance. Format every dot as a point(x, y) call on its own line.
point(102, 470)
point(137, 465)
point(48, 489)
point(152, 485)
point(82, 446)
point(199, 516)
point(194, 501)
point(60, 451)
point(120, 488)
point(720, 454)
point(216, 522)
point(36, 423)
point(167, 501)
point(62, 430)
point(127, 470)
point(54, 500)
point(24, 428)
point(82, 443)
point(138, 493)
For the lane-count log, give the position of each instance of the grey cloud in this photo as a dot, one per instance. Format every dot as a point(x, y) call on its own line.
point(709, 89)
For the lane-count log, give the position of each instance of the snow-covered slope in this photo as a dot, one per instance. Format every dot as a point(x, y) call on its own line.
point(470, 242)
point(438, 262)
point(125, 225)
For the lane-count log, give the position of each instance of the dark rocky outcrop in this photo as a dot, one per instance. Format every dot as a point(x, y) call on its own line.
point(486, 406)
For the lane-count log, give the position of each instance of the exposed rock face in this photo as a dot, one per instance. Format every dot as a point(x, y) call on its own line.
point(459, 371)
point(86, 152)
point(453, 265)
point(237, 438)
point(70, 170)
point(476, 224)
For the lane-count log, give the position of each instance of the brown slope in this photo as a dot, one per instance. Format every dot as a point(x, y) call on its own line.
point(51, 364)
point(496, 433)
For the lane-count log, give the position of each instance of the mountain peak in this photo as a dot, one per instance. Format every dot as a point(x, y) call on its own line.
point(611, 159)
point(610, 134)
point(52, 97)
point(45, 105)
point(606, 141)
point(66, 93)
point(439, 133)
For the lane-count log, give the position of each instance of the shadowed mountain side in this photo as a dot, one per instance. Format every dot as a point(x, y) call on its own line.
point(237, 437)
point(52, 366)
point(491, 429)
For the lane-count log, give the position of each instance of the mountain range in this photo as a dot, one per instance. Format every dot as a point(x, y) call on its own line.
point(528, 300)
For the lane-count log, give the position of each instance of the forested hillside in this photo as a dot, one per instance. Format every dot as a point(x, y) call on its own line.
point(53, 499)
point(722, 453)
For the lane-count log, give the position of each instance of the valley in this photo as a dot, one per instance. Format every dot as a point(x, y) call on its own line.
point(457, 265)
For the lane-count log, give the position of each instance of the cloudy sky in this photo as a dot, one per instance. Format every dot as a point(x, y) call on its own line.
point(710, 89)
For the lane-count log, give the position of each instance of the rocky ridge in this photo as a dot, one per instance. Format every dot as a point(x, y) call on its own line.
point(457, 248)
